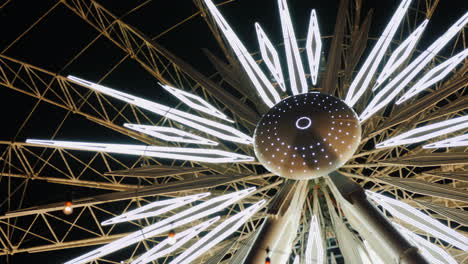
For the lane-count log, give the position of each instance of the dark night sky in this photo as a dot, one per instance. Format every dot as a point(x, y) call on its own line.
point(53, 42)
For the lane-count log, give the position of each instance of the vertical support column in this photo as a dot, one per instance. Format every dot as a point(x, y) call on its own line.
point(354, 194)
point(280, 228)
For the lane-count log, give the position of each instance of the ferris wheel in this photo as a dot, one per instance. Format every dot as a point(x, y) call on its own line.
point(338, 148)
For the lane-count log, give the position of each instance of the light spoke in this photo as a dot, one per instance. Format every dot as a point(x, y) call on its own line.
point(226, 228)
point(171, 134)
point(427, 132)
point(314, 47)
point(264, 87)
point(270, 56)
point(191, 154)
point(431, 252)
point(314, 249)
point(196, 102)
point(400, 54)
point(420, 220)
point(165, 247)
point(293, 57)
point(459, 141)
point(391, 90)
point(434, 75)
point(362, 80)
point(202, 124)
point(154, 209)
point(187, 216)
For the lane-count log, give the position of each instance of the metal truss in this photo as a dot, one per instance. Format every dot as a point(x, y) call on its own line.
point(427, 179)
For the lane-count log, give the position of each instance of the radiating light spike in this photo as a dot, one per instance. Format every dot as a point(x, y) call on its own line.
point(420, 220)
point(144, 211)
point(427, 132)
point(171, 134)
point(459, 141)
point(164, 248)
point(264, 87)
point(362, 80)
point(434, 75)
point(314, 46)
point(314, 249)
point(270, 56)
point(391, 90)
point(376, 259)
point(223, 230)
point(202, 124)
point(400, 54)
point(187, 216)
point(293, 57)
point(192, 154)
point(196, 102)
point(297, 259)
point(431, 252)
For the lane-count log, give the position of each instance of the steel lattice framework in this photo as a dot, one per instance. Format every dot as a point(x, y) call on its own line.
point(105, 185)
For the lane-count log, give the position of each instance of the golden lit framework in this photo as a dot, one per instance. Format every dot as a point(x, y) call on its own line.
point(432, 180)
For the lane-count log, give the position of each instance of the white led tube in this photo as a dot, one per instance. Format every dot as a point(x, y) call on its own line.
point(433, 253)
point(164, 247)
point(459, 141)
point(391, 90)
point(202, 124)
point(314, 250)
point(189, 215)
point(171, 134)
point(400, 54)
point(270, 56)
point(420, 220)
point(192, 154)
point(196, 102)
point(142, 212)
point(434, 75)
point(427, 132)
point(366, 73)
point(223, 230)
point(258, 78)
point(293, 57)
point(314, 47)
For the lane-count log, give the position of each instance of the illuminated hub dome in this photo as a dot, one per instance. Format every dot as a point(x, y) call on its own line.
point(307, 136)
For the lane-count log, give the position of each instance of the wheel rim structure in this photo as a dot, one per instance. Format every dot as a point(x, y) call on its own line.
point(174, 176)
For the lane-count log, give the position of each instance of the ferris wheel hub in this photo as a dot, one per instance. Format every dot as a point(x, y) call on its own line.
point(307, 136)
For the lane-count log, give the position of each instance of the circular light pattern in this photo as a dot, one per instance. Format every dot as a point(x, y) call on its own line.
point(307, 136)
point(303, 122)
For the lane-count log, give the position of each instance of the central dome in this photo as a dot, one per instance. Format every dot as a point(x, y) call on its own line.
point(307, 136)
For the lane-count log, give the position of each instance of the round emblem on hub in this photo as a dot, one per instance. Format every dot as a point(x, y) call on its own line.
point(307, 136)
